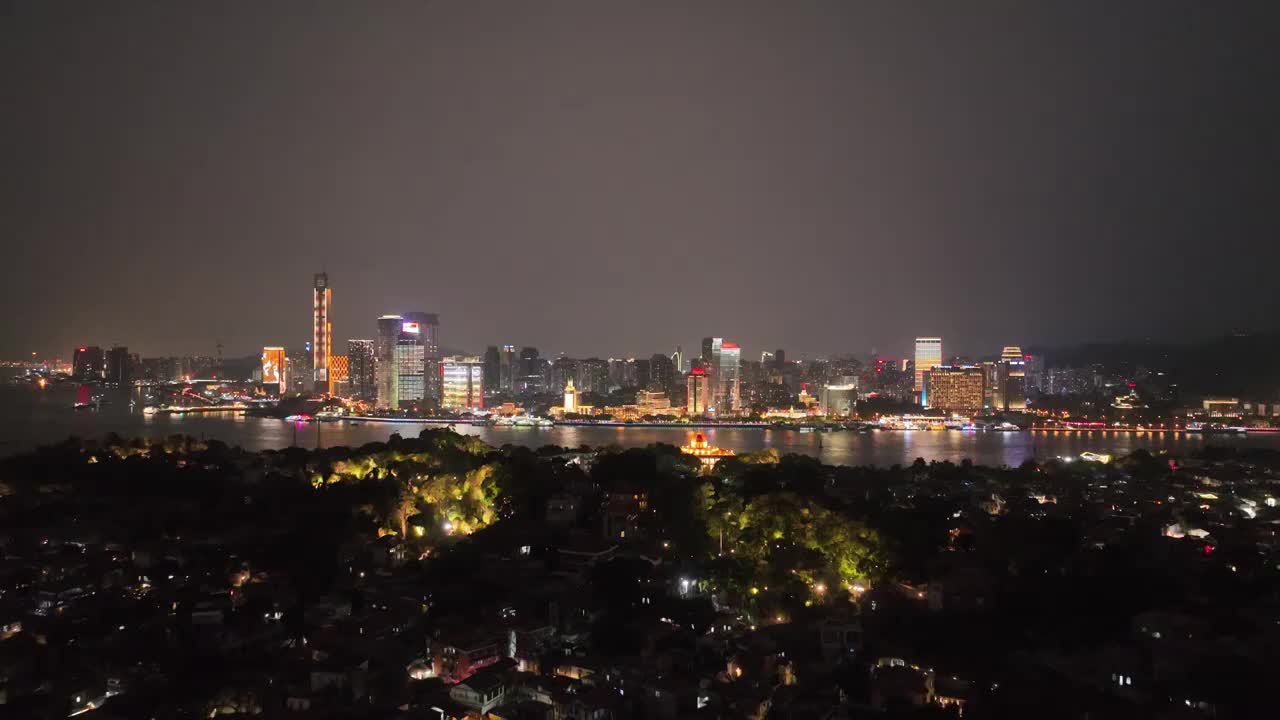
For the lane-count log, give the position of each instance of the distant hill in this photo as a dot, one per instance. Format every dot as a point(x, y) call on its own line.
point(1243, 365)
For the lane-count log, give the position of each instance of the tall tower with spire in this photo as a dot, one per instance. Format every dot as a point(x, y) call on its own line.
point(321, 333)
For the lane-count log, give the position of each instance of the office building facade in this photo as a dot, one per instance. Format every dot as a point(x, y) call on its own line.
point(463, 383)
point(492, 368)
point(361, 364)
point(119, 366)
point(340, 375)
point(928, 354)
point(728, 388)
point(955, 388)
point(698, 392)
point(426, 327)
point(387, 394)
point(1011, 380)
point(508, 368)
point(838, 400)
point(89, 363)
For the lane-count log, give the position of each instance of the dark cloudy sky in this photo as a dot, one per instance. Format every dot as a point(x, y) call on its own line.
point(616, 178)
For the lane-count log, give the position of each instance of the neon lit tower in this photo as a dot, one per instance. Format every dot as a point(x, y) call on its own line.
point(321, 333)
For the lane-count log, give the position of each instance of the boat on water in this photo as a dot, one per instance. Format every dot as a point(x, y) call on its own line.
point(523, 421)
point(150, 410)
point(1215, 429)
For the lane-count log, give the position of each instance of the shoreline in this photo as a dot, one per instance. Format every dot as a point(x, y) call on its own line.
point(769, 426)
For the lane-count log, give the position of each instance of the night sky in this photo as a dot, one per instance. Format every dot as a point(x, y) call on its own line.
point(608, 178)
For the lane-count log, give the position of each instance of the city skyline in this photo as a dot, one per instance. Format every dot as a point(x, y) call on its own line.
point(675, 360)
point(544, 176)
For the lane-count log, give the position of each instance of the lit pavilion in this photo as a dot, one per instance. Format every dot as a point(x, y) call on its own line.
point(704, 451)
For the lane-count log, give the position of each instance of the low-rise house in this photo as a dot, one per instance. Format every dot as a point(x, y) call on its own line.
point(482, 691)
point(896, 683)
point(456, 655)
point(840, 638)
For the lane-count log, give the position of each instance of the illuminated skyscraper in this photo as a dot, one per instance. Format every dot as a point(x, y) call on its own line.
point(410, 364)
point(955, 388)
point(273, 369)
point(1011, 380)
point(699, 393)
point(339, 375)
point(928, 354)
point(385, 370)
point(463, 383)
point(321, 333)
point(360, 369)
point(728, 400)
point(428, 336)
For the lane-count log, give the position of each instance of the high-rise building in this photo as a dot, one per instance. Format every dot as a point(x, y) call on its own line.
point(463, 383)
point(361, 365)
point(386, 372)
point(698, 392)
point(1036, 378)
point(411, 365)
point(298, 370)
point(677, 359)
point(162, 369)
point(563, 369)
point(321, 332)
point(728, 398)
point(492, 368)
point(928, 354)
point(89, 363)
point(119, 366)
point(623, 372)
point(991, 383)
point(955, 388)
point(428, 335)
point(1011, 380)
point(710, 361)
point(780, 357)
point(340, 375)
point(710, 348)
point(508, 368)
point(273, 369)
point(662, 373)
point(838, 400)
point(530, 378)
